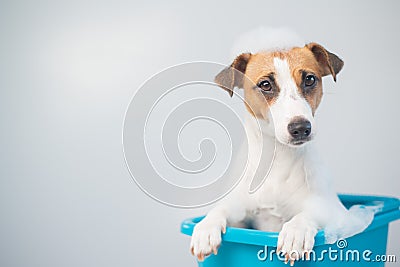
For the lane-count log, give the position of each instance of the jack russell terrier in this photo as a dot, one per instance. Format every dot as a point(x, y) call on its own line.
point(282, 91)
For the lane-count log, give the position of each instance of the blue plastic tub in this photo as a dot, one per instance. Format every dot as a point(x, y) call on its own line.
point(247, 248)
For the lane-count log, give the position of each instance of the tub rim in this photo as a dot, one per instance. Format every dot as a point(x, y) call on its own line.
point(388, 213)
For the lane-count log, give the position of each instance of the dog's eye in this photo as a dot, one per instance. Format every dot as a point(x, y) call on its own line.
point(309, 80)
point(265, 86)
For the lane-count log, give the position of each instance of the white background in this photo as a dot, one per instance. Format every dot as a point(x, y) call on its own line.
point(69, 69)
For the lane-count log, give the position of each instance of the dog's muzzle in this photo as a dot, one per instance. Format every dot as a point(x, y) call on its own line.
point(300, 130)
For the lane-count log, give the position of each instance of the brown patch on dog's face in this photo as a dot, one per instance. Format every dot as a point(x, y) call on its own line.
point(307, 75)
point(307, 65)
point(261, 69)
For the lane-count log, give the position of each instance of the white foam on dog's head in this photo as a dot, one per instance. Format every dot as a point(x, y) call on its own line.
point(265, 39)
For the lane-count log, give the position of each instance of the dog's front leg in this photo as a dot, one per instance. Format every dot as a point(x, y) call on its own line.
point(296, 238)
point(206, 237)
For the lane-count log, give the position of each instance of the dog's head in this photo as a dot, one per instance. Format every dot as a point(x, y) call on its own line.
point(283, 87)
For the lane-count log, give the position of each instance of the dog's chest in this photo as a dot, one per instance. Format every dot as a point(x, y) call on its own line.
point(283, 192)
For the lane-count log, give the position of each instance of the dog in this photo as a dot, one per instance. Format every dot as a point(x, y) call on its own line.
point(282, 91)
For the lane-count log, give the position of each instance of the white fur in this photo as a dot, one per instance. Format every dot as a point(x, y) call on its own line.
point(266, 39)
point(289, 103)
point(297, 199)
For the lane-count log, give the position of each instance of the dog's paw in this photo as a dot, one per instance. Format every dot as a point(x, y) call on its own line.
point(206, 237)
point(296, 240)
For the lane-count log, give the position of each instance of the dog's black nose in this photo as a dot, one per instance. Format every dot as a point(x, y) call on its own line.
point(299, 129)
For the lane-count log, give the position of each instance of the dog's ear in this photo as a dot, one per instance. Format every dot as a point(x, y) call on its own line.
point(233, 76)
point(329, 62)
